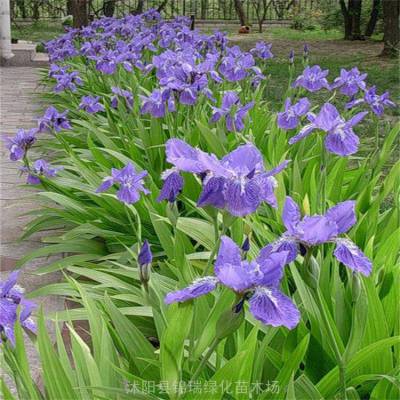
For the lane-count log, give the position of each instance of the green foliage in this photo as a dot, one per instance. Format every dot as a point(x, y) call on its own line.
point(134, 337)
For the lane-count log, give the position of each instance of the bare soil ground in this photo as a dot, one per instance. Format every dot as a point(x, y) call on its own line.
point(282, 47)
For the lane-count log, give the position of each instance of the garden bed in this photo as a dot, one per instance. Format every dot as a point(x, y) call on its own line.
point(219, 243)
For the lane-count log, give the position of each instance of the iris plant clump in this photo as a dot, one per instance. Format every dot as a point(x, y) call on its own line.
point(174, 71)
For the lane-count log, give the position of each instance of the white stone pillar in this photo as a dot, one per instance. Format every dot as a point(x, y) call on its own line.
point(5, 30)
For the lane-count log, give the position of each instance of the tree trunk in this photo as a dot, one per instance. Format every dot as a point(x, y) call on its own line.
point(203, 9)
point(70, 7)
point(391, 29)
point(22, 8)
point(373, 19)
point(240, 12)
point(348, 21)
point(79, 13)
point(260, 26)
point(35, 10)
point(162, 6)
point(139, 7)
point(356, 19)
point(109, 8)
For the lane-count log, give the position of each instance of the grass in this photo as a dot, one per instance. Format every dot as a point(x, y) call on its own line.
point(37, 31)
point(384, 75)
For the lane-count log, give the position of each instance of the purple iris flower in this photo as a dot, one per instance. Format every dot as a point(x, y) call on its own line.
point(186, 80)
point(91, 104)
point(375, 101)
point(257, 279)
point(314, 230)
point(106, 62)
point(40, 168)
point(52, 119)
point(289, 119)
point(67, 80)
point(378, 102)
point(238, 182)
point(126, 94)
point(235, 65)
point(12, 296)
point(21, 143)
point(57, 70)
point(173, 185)
point(340, 138)
point(350, 82)
point(130, 183)
point(219, 40)
point(257, 78)
point(262, 50)
point(157, 103)
point(291, 57)
point(313, 79)
point(233, 111)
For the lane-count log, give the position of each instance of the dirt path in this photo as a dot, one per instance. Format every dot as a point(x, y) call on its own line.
point(282, 47)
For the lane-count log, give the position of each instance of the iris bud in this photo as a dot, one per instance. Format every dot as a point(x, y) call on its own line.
point(306, 51)
point(246, 245)
point(145, 258)
point(291, 57)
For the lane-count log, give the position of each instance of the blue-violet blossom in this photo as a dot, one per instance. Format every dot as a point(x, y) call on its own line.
point(91, 104)
point(52, 119)
point(313, 79)
point(238, 182)
point(39, 168)
point(233, 111)
point(340, 138)
point(21, 143)
point(12, 296)
point(314, 230)
point(130, 183)
point(257, 280)
point(350, 82)
point(290, 118)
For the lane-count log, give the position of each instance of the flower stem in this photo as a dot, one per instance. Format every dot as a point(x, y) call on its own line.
point(217, 239)
point(211, 349)
point(324, 178)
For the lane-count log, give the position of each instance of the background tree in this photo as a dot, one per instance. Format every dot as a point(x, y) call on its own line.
point(139, 7)
point(373, 18)
point(356, 17)
point(203, 9)
point(70, 6)
point(348, 22)
point(22, 8)
point(79, 13)
point(261, 8)
point(391, 29)
point(281, 6)
point(162, 5)
point(352, 19)
point(36, 9)
point(109, 7)
point(240, 12)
